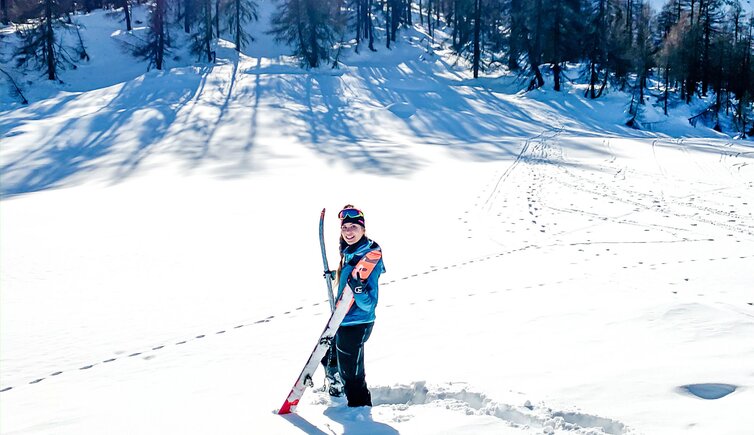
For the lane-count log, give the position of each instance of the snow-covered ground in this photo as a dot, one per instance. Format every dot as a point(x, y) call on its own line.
point(548, 270)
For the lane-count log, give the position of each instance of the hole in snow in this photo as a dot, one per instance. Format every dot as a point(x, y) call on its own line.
point(709, 391)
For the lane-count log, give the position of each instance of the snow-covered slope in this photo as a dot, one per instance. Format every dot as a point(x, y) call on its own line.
point(549, 271)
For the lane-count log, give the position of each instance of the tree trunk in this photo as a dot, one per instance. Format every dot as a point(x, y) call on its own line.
point(208, 28)
point(535, 50)
point(556, 70)
point(642, 83)
point(437, 13)
point(160, 28)
point(313, 45)
point(705, 54)
point(127, 12)
point(4, 7)
point(187, 15)
point(556, 47)
point(358, 24)
point(49, 41)
point(217, 18)
point(395, 18)
point(538, 80)
point(429, 20)
point(592, 91)
point(514, 38)
point(238, 25)
point(387, 22)
point(604, 84)
point(667, 90)
point(370, 27)
point(477, 31)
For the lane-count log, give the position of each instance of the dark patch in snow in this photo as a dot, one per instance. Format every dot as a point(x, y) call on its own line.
point(708, 391)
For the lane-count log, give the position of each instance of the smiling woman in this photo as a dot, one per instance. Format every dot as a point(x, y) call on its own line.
point(360, 268)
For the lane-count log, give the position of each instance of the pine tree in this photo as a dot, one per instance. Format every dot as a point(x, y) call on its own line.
point(154, 49)
point(309, 26)
point(39, 47)
point(237, 14)
point(516, 34)
point(619, 44)
point(203, 37)
point(367, 20)
point(560, 45)
point(644, 49)
point(535, 29)
point(595, 46)
point(49, 40)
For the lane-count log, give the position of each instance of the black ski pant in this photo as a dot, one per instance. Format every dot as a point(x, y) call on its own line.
point(349, 358)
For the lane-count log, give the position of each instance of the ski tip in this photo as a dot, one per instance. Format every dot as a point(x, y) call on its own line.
point(288, 407)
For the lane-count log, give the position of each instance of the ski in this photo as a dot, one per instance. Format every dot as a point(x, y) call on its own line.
point(342, 305)
point(330, 296)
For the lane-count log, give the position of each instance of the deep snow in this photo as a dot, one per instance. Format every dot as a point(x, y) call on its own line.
point(549, 270)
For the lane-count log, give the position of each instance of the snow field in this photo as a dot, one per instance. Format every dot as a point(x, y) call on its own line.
point(548, 271)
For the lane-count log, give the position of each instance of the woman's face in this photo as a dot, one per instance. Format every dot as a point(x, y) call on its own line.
point(351, 233)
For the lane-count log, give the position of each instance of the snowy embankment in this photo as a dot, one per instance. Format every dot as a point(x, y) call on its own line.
point(548, 270)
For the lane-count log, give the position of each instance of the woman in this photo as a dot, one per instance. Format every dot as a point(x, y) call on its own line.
point(360, 268)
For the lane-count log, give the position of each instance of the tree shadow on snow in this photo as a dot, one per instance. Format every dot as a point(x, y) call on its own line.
point(140, 114)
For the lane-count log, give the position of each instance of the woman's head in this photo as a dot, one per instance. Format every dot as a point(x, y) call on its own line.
point(352, 227)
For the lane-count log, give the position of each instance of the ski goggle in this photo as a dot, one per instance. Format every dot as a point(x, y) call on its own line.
point(350, 213)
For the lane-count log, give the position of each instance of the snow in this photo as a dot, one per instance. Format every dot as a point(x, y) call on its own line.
point(549, 270)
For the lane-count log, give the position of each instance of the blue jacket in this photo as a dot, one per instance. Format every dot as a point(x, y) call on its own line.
point(365, 299)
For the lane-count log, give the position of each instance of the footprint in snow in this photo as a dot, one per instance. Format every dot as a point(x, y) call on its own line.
point(401, 403)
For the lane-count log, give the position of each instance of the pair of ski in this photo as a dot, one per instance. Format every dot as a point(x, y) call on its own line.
point(339, 310)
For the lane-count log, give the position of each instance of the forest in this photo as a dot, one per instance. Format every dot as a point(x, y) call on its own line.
point(689, 49)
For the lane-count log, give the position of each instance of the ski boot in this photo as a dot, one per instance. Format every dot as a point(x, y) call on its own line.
point(333, 382)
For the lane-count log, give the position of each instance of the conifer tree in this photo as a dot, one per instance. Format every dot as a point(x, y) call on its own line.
point(595, 46)
point(237, 14)
point(560, 45)
point(157, 43)
point(39, 47)
point(534, 29)
point(516, 34)
point(203, 36)
point(309, 26)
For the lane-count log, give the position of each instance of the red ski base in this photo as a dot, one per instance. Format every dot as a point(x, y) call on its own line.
point(286, 409)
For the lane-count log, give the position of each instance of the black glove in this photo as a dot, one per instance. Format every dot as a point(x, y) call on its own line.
point(329, 274)
point(358, 286)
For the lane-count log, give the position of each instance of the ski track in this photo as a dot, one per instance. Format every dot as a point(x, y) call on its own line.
point(539, 151)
